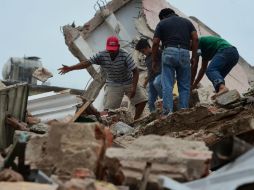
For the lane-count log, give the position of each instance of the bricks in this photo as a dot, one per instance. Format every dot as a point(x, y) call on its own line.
point(176, 158)
point(68, 147)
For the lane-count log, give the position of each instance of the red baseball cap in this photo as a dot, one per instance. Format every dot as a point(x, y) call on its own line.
point(112, 43)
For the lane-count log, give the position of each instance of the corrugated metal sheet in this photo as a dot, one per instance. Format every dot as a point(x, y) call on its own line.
point(52, 105)
point(13, 101)
point(230, 177)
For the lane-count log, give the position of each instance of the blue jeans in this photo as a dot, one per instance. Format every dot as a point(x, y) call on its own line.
point(175, 62)
point(154, 90)
point(221, 64)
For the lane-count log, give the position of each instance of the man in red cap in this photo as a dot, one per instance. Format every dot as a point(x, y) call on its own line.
point(122, 76)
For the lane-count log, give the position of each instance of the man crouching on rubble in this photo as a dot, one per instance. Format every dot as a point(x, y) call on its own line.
point(222, 56)
point(122, 76)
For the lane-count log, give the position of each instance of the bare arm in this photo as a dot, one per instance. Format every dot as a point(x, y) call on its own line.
point(134, 82)
point(194, 47)
point(194, 56)
point(200, 73)
point(155, 50)
point(194, 68)
point(79, 66)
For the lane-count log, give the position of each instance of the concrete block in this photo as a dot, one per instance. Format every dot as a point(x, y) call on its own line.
point(180, 159)
point(120, 129)
point(230, 97)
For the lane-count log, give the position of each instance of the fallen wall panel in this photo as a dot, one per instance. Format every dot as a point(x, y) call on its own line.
point(13, 101)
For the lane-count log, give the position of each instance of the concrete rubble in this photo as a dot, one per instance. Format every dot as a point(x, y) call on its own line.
point(179, 159)
point(122, 114)
point(120, 129)
point(67, 147)
point(42, 74)
point(119, 151)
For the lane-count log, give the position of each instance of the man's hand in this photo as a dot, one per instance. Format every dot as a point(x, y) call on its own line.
point(64, 69)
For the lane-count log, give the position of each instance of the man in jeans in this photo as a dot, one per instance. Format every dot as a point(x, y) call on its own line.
point(223, 58)
point(122, 76)
point(153, 78)
point(177, 35)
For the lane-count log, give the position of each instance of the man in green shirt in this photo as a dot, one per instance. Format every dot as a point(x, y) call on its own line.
point(222, 56)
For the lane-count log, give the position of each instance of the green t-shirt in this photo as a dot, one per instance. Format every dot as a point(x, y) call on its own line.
point(209, 45)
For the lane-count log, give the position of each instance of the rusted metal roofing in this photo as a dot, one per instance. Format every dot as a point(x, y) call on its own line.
point(13, 101)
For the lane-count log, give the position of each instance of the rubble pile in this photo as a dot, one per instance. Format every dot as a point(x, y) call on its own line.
point(208, 123)
point(179, 159)
point(120, 153)
point(57, 140)
point(67, 147)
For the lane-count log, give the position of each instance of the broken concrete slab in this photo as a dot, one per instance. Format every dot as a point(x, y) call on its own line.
point(180, 159)
point(26, 186)
point(10, 176)
point(67, 147)
point(227, 98)
point(201, 96)
point(123, 141)
point(204, 123)
point(120, 129)
point(114, 116)
point(42, 74)
point(39, 128)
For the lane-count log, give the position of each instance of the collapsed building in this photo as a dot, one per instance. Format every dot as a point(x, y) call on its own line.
point(130, 20)
point(209, 146)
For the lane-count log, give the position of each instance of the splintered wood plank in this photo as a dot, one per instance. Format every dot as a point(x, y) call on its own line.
point(81, 110)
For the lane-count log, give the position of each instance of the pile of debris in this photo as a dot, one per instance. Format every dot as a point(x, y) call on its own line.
point(59, 141)
point(119, 153)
